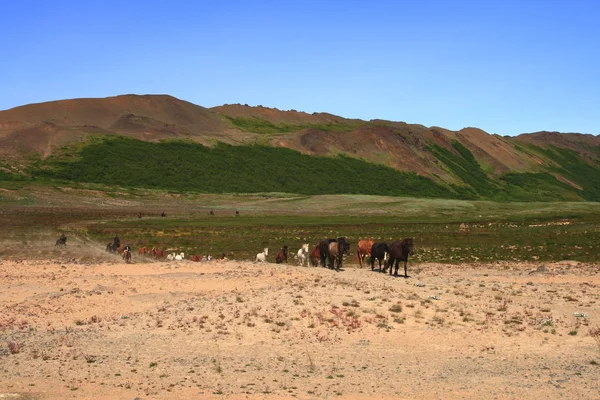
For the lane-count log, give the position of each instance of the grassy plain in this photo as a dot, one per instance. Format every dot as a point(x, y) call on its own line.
point(449, 231)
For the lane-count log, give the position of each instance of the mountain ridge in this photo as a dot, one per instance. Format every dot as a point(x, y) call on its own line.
point(40, 130)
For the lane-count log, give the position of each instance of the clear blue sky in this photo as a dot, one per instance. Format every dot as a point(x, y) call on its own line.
point(505, 66)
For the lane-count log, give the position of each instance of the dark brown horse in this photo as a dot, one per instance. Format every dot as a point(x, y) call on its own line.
point(282, 255)
point(61, 242)
point(324, 250)
point(336, 252)
point(378, 251)
point(399, 251)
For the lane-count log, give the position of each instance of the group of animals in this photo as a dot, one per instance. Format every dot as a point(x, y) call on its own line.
point(330, 253)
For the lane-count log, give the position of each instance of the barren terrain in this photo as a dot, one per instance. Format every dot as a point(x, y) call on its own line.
point(237, 329)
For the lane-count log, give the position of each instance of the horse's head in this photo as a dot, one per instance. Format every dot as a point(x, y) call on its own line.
point(266, 251)
point(305, 247)
point(408, 246)
point(343, 246)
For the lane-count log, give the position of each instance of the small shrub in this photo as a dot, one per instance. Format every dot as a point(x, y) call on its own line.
point(14, 347)
point(396, 308)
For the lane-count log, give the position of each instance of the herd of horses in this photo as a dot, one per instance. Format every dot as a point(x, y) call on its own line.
point(328, 253)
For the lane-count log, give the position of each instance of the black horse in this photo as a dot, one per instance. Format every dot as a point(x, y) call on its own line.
point(61, 241)
point(378, 251)
point(112, 247)
point(399, 251)
point(336, 252)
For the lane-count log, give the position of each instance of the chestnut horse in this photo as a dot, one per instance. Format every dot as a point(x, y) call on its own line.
point(315, 256)
point(142, 250)
point(363, 249)
point(399, 251)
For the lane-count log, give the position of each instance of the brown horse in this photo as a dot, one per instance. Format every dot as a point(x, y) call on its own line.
point(399, 251)
point(152, 252)
point(126, 255)
point(324, 250)
point(196, 257)
point(282, 255)
point(363, 249)
point(160, 253)
point(336, 252)
point(315, 256)
point(142, 250)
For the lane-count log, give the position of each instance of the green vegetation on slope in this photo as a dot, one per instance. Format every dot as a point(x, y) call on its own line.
point(515, 186)
point(232, 169)
point(573, 167)
point(465, 166)
point(188, 166)
point(258, 125)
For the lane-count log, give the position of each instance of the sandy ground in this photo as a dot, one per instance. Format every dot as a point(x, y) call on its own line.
point(182, 330)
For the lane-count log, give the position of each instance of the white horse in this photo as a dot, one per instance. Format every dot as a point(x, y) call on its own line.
point(179, 256)
point(171, 257)
point(302, 255)
point(262, 257)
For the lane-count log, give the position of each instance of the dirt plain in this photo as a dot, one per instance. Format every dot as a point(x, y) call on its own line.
point(74, 328)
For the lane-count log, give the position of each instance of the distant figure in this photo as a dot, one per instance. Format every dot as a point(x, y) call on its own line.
point(212, 212)
point(162, 214)
point(237, 213)
point(127, 253)
point(282, 255)
point(139, 215)
point(62, 241)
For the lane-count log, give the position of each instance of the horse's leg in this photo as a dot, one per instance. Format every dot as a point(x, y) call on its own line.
point(405, 271)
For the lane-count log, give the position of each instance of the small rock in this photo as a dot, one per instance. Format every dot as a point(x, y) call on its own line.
point(434, 297)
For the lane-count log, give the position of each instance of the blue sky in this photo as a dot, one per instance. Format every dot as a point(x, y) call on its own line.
point(504, 66)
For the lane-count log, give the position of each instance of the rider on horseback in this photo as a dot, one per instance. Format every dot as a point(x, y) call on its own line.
point(127, 253)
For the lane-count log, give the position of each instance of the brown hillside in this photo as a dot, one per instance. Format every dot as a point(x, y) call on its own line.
point(38, 128)
point(277, 116)
point(575, 141)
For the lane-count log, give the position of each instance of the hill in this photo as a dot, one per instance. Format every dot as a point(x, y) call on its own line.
point(468, 163)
